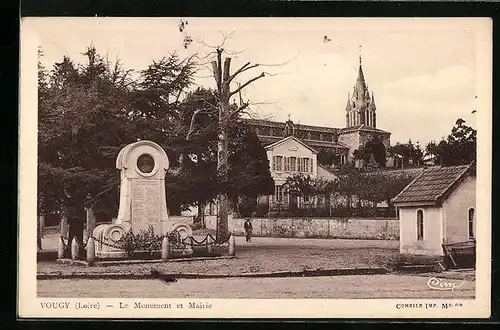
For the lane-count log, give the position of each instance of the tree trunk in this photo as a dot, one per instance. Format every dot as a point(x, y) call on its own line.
point(222, 166)
point(223, 79)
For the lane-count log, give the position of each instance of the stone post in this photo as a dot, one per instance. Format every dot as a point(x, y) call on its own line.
point(208, 244)
point(165, 248)
point(90, 250)
point(232, 246)
point(60, 248)
point(189, 246)
point(74, 249)
point(40, 230)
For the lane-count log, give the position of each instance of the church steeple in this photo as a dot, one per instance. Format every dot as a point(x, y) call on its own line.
point(360, 109)
point(360, 82)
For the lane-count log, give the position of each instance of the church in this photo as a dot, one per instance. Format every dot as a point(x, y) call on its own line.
point(360, 127)
point(294, 148)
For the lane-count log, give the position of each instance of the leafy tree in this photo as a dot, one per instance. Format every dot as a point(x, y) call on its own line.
point(327, 157)
point(376, 148)
point(408, 152)
point(87, 113)
point(459, 148)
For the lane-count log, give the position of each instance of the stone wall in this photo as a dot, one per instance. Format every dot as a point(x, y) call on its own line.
point(353, 228)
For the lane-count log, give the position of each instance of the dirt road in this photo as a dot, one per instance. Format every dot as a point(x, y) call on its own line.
point(337, 287)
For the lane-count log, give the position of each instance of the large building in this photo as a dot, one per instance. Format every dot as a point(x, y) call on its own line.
point(293, 148)
point(360, 127)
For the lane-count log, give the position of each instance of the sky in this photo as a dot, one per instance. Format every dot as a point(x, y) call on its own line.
point(423, 72)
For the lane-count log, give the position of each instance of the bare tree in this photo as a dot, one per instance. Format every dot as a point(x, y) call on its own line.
point(221, 71)
point(223, 78)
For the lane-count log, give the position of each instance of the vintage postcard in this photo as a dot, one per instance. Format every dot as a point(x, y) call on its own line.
point(255, 167)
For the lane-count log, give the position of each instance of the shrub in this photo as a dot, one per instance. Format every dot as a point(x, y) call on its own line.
point(144, 240)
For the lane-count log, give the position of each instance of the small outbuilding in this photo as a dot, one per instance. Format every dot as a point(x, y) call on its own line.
point(436, 210)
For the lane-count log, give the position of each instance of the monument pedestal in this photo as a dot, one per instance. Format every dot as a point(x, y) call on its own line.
point(143, 166)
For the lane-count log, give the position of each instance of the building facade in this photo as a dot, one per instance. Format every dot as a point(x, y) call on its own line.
point(436, 209)
point(293, 148)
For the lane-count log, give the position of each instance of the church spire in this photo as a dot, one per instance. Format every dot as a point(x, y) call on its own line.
point(360, 82)
point(360, 108)
point(372, 104)
point(348, 105)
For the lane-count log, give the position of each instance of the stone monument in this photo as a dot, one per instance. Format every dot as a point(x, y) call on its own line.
point(143, 166)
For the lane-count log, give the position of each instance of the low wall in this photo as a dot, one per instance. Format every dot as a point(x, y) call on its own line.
point(353, 228)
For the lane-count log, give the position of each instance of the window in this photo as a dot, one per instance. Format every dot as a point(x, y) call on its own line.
point(287, 164)
point(300, 164)
point(420, 225)
point(312, 170)
point(279, 194)
point(277, 163)
point(293, 161)
point(471, 223)
point(306, 164)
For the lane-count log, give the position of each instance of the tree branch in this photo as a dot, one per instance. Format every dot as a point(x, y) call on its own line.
point(243, 69)
point(246, 84)
point(241, 108)
point(190, 133)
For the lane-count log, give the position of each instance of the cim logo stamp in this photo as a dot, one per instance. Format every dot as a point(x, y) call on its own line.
point(443, 285)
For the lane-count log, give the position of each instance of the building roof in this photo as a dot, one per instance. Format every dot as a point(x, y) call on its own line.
point(433, 185)
point(326, 173)
point(268, 140)
point(362, 128)
point(291, 137)
point(269, 123)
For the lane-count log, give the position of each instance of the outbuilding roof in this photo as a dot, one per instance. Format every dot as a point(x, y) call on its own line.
point(433, 185)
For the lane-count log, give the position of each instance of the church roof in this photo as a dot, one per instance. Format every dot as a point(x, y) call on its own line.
point(362, 128)
point(275, 124)
point(433, 185)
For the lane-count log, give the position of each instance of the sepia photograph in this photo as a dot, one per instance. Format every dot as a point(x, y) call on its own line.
point(255, 167)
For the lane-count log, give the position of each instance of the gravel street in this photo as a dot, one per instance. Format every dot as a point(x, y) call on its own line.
point(265, 255)
point(337, 287)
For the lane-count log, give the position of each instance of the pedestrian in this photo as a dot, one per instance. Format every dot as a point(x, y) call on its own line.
point(248, 230)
